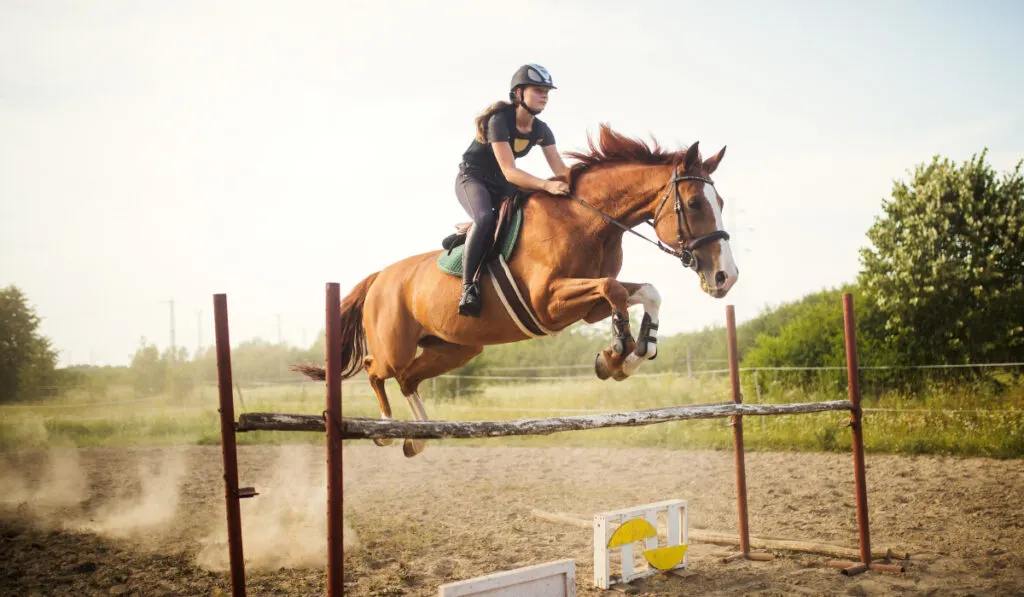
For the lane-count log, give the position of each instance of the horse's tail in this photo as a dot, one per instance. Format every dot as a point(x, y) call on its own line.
point(353, 336)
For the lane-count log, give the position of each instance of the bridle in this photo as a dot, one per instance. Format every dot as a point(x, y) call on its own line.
point(684, 251)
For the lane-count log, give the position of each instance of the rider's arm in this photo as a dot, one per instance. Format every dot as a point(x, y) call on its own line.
point(507, 161)
point(554, 158)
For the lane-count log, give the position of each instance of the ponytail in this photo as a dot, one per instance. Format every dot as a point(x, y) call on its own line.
point(481, 120)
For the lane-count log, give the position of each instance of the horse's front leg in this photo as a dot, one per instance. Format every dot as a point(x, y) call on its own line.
point(594, 299)
point(646, 348)
point(647, 339)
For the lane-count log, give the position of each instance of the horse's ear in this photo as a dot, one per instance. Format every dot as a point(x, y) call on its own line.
point(711, 164)
point(692, 156)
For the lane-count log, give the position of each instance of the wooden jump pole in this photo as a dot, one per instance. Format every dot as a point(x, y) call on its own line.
point(739, 452)
point(737, 430)
point(856, 429)
point(365, 428)
point(335, 481)
point(228, 447)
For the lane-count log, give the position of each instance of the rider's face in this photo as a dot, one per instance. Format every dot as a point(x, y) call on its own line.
point(535, 97)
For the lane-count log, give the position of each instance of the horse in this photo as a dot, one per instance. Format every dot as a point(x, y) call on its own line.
point(568, 255)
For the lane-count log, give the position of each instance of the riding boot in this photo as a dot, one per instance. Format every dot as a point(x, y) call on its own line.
point(471, 302)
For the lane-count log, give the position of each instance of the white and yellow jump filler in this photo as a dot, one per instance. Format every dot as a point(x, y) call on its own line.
point(621, 529)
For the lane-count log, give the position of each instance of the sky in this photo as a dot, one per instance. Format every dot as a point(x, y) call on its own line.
point(167, 151)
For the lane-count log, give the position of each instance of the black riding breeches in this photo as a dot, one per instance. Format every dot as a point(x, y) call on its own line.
point(480, 200)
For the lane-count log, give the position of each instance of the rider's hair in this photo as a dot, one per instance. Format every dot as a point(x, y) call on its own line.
point(481, 120)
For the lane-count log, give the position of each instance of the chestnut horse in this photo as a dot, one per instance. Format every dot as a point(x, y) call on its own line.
point(568, 255)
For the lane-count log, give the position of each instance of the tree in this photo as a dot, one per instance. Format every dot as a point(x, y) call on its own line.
point(810, 332)
point(946, 269)
point(149, 371)
point(27, 360)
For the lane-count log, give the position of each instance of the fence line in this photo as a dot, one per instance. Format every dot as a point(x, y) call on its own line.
point(89, 404)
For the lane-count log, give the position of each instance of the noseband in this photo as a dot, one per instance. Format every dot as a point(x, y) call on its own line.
point(684, 251)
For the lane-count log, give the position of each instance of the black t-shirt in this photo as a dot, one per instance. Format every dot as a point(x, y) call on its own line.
point(501, 126)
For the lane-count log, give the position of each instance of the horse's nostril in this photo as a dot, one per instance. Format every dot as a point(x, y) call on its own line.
point(720, 278)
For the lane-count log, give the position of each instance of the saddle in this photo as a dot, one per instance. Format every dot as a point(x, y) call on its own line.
point(505, 210)
point(505, 234)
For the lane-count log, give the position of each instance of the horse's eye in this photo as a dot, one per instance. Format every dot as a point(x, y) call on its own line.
point(693, 204)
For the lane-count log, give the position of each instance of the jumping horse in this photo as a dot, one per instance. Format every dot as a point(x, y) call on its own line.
point(566, 260)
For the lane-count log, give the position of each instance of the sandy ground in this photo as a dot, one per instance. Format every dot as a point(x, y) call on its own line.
point(151, 521)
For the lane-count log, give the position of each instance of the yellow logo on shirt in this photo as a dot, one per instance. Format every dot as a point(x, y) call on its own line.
point(521, 144)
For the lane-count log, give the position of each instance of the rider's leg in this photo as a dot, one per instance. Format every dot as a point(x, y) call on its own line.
point(476, 199)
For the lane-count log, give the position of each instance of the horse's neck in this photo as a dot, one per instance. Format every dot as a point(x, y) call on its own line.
point(627, 193)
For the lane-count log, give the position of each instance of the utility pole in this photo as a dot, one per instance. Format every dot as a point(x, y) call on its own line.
point(174, 346)
point(173, 343)
point(199, 350)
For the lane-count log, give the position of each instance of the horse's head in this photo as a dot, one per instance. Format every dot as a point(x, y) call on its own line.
point(688, 218)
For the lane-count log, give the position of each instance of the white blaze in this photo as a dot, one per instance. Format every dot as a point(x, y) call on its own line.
point(726, 263)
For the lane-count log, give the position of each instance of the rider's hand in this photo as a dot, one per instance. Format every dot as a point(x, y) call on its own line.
point(556, 187)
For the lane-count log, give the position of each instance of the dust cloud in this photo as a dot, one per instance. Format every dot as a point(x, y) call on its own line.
point(43, 488)
point(151, 503)
point(152, 497)
point(286, 525)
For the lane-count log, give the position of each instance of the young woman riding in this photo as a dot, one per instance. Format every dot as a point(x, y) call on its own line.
point(505, 131)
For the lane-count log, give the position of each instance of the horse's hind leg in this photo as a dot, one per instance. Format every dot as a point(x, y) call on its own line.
point(438, 357)
point(377, 376)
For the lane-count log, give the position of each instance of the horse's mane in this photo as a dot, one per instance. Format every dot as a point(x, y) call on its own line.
point(616, 148)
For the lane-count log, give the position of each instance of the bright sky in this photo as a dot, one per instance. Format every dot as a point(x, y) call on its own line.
point(152, 151)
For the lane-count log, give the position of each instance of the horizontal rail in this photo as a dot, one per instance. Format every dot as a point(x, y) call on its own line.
point(360, 428)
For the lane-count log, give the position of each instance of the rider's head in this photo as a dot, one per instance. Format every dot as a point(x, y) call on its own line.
point(529, 88)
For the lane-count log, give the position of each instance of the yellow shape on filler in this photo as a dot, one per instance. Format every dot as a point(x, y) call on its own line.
point(633, 530)
point(665, 558)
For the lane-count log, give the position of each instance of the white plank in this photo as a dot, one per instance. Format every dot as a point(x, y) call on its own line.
point(634, 511)
point(686, 535)
point(652, 517)
point(674, 535)
point(553, 579)
point(626, 551)
point(602, 557)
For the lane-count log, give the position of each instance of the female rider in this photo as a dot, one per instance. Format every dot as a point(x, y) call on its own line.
point(504, 131)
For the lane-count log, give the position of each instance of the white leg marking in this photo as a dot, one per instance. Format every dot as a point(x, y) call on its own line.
point(632, 363)
point(383, 441)
point(412, 447)
point(648, 296)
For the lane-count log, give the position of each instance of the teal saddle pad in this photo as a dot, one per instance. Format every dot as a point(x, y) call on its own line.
point(450, 262)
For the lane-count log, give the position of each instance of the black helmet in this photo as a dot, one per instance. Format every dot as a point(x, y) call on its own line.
point(531, 74)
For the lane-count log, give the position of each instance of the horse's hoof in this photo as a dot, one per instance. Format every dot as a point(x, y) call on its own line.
point(601, 367)
point(383, 441)
point(619, 376)
point(412, 447)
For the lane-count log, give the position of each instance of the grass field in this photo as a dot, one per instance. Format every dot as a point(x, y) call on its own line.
point(940, 421)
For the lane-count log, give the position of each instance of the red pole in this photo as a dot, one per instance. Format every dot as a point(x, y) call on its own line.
point(228, 446)
point(737, 430)
point(853, 377)
point(335, 483)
